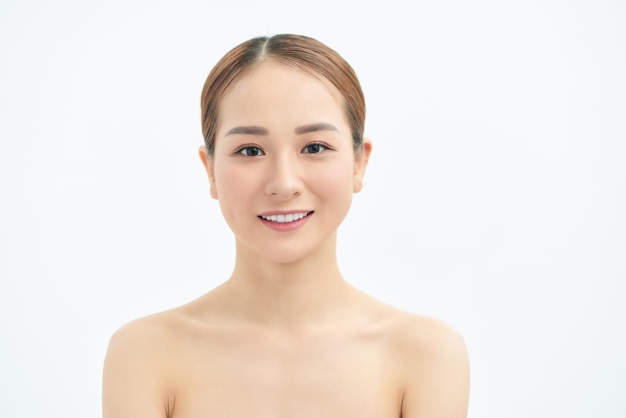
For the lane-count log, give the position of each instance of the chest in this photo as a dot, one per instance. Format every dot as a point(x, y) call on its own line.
point(324, 378)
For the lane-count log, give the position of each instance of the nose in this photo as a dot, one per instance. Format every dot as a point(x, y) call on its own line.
point(284, 180)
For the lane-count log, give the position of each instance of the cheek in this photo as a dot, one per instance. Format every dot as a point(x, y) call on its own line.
point(225, 181)
point(234, 187)
point(336, 180)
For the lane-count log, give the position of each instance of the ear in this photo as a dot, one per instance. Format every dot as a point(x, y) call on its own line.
point(208, 163)
point(360, 164)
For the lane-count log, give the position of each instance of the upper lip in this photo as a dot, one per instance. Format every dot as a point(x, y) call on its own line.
point(284, 212)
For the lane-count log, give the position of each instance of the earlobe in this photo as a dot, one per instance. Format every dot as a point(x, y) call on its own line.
point(208, 163)
point(360, 164)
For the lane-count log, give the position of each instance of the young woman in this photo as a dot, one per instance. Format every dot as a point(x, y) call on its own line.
point(286, 335)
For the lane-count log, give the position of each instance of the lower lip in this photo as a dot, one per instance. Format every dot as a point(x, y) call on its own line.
point(286, 226)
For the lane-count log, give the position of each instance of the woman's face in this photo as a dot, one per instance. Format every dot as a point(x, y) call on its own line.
point(284, 169)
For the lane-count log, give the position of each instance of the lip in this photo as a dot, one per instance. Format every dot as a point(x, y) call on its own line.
point(285, 212)
point(285, 226)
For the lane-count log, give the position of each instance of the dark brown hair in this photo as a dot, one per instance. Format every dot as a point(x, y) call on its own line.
point(298, 51)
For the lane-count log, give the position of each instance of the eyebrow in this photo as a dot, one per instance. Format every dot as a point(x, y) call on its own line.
point(315, 127)
point(247, 130)
point(258, 130)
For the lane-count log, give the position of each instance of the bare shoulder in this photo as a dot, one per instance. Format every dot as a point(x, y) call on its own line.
point(145, 330)
point(137, 366)
point(427, 335)
point(435, 367)
point(147, 338)
point(412, 333)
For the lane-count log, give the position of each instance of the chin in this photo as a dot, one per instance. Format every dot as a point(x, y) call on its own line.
point(286, 253)
point(284, 257)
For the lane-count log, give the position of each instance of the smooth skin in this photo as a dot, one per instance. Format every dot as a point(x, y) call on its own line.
point(286, 336)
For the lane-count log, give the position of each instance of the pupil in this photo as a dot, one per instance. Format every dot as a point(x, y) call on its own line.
point(314, 148)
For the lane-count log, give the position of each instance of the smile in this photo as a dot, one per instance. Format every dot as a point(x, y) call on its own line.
point(286, 218)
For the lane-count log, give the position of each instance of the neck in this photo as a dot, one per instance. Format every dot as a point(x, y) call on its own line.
point(288, 295)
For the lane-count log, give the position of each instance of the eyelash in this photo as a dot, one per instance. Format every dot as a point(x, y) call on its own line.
point(247, 147)
point(323, 145)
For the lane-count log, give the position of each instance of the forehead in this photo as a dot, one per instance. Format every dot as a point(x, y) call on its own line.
point(271, 84)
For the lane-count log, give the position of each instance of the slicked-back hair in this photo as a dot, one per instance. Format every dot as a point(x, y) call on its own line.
point(297, 51)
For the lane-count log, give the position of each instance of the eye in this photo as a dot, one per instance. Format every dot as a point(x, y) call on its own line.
point(315, 148)
point(250, 151)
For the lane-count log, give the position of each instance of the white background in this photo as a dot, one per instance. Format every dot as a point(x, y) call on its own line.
point(495, 197)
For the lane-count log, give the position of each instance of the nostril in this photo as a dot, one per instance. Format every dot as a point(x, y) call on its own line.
point(284, 185)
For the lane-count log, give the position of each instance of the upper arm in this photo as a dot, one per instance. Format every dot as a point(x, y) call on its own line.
point(437, 376)
point(131, 387)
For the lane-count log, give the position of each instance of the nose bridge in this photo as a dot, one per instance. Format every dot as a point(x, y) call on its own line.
point(284, 180)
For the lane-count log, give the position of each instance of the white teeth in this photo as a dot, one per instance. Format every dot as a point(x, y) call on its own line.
point(290, 217)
